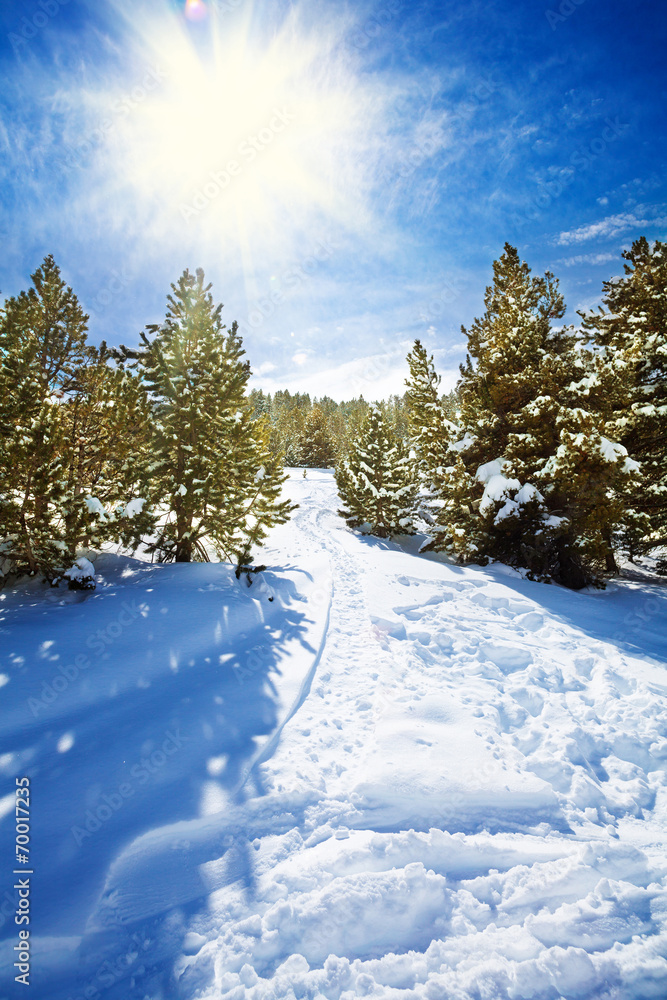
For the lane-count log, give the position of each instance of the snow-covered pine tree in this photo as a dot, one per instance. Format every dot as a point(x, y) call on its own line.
point(212, 469)
point(318, 450)
point(430, 431)
point(107, 420)
point(354, 413)
point(48, 448)
point(547, 474)
point(376, 481)
point(630, 334)
point(288, 417)
point(446, 486)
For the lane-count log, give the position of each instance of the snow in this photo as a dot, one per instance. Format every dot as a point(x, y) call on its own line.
point(611, 451)
point(490, 470)
point(134, 507)
point(497, 487)
point(82, 569)
point(371, 773)
point(465, 442)
point(528, 493)
point(95, 506)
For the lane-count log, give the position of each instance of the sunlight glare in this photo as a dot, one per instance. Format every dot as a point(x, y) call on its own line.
point(254, 140)
point(195, 10)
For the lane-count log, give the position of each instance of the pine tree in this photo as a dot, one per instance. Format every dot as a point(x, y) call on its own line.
point(317, 447)
point(212, 468)
point(47, 510)
point(107, 420)
point(287, 428)
point(430, 431)
point(445, 485)
point(630, 334)
point(354, 413)
point(376, 481)
point(547, 474)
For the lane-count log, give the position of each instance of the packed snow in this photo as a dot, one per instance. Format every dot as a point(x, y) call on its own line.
point(371, 773)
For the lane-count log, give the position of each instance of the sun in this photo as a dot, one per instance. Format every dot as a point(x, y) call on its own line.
point(251, 135)
point(196, 10)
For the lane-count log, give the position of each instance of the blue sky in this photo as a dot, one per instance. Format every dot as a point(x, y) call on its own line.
point(344, 174)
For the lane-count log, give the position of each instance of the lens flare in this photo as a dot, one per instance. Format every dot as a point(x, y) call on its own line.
point(249, 142)
point(195, 10)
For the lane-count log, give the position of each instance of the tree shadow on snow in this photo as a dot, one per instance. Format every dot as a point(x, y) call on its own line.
point(169, 743)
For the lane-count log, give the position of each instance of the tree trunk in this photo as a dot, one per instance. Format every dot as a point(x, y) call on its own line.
point(184, 546)
point(571, 573)
point(610, 560)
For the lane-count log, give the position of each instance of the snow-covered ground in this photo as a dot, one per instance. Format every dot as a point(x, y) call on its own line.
point(370, 774)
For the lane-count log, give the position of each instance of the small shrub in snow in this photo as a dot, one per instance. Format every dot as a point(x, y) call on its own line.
point(80, 576)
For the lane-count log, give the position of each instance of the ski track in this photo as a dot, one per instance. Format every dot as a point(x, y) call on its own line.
point(465, 799)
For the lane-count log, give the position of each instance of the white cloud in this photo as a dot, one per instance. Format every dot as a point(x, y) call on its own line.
point(613, 225)
point(589, 258)
point(377, 376)
point(300, 358)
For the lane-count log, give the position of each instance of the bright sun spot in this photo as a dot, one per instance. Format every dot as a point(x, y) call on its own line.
point(248, 140)
point(195, 10)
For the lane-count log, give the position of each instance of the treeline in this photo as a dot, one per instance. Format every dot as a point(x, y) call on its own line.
point(550, 455)
point(319, 433)
point(556, 457)
point(158, 445)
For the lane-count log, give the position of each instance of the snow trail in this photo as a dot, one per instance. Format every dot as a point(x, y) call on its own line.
point(461, 792)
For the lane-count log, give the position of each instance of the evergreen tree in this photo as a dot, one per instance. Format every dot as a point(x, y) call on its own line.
point(630, 334)
point(287, 428)
point(354, 413)
point(376, 481)
point(47, 510)
point(107, 420)
point(426, 419)
point(529, 474)
point(317, 447)
point(546, 472)
point(212, 468)
point(444, 484)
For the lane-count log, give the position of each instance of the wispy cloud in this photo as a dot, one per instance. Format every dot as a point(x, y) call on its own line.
point(588, 258)
point(613, 225)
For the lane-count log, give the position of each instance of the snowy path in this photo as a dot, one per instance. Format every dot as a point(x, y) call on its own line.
point(458, 789)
